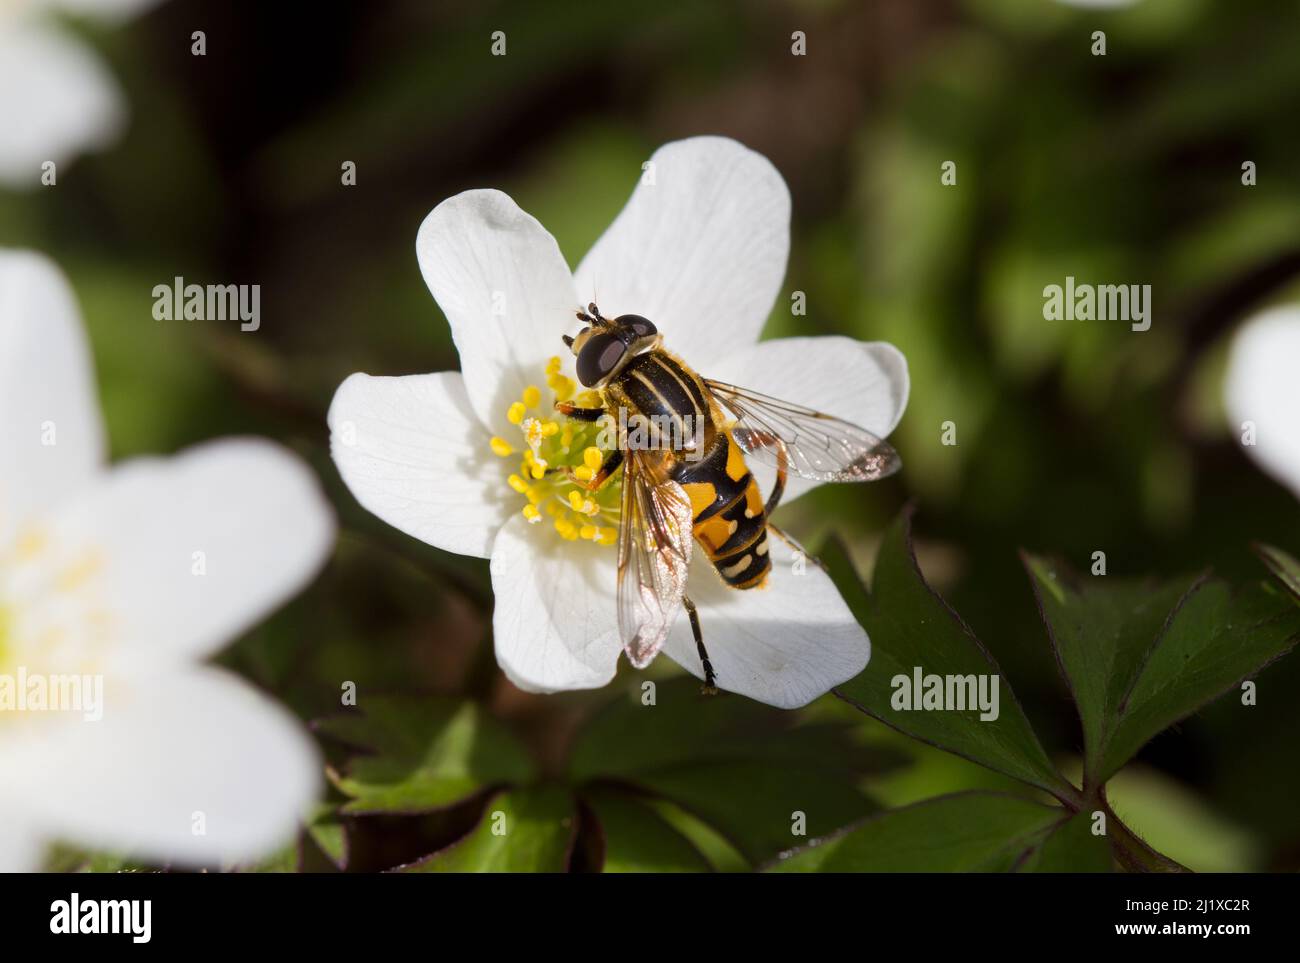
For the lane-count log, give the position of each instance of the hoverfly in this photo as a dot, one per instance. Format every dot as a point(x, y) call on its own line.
point(686, 480)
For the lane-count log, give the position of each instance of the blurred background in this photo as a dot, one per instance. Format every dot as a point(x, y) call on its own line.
point(1072, 437)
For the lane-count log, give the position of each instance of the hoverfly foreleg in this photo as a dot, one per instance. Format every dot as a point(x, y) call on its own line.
point(710, 680)
point(570, 410)
point(597, 481)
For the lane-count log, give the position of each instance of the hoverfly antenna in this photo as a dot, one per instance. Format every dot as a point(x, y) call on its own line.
point(568, 341)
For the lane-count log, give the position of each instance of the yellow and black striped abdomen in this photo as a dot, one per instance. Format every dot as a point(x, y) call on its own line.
point(729, 522)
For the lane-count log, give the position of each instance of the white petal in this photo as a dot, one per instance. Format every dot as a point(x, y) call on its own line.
point(784, 644)
point(555, 622)
point(506, 290)
point(56, 101)
point(413, 452)
point(49, 415)
point(701, 252)
point(863, 382)
point(173, 749)
point(197, 548)
point(20, 842)
point(1263, 388)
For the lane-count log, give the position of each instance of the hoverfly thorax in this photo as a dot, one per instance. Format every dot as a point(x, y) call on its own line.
point(604, 346)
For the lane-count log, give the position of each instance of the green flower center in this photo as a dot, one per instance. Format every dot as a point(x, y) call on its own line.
point(558, 455)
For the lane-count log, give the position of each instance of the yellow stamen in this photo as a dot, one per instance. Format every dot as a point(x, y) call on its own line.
point(30, 544)
point(583, 505)
point(562, 386)
point(533, 434)
point(555, 457)
point(79, 572)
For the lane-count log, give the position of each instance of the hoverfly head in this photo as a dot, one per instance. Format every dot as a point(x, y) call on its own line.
point(575, 342)
point(603, 344)
point(635, 327)
point(600, 353)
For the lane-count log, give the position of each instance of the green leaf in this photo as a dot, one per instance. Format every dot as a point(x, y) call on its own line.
point(639, 840)
point(718, 851)
point(1283, 565)
point(1071, 847)
point(1214, 640)
point(522, 831)
point(424, 754)
point(743, 768)
point(1101, 627)
point(109, 863)
point(911, 626)
point(283, 860)
point(1135, 667)
point(1178, 821)
point(964, 832)
point(327, 832)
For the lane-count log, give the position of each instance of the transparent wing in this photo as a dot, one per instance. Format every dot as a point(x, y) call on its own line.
point(654, 553)
point(817, 446)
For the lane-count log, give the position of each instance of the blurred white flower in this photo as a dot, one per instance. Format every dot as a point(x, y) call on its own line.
point(1262, 392)
point(133, 575)
point(457, 459)
point(57, 98)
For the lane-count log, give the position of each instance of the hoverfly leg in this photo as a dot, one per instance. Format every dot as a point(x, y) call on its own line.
point(796, 546)
point(597, 481)
point(765, 439)
point(710, 686)
point(570, 410)
point(778, 486)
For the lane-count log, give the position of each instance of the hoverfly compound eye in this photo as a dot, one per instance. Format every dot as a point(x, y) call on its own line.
point(599, 357)
point(639, 326)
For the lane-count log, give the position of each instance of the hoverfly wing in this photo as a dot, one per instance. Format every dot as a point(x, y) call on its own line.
point(817, 445)
point(654, 554)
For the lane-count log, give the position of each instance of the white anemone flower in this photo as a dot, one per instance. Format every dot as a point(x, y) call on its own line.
point(57, 98)
point(459, 459)
point(1262, 392)
point(125, 579)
